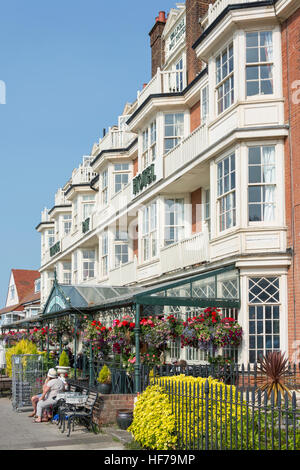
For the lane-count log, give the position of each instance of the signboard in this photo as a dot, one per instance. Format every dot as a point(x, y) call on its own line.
point(146, 178)
point(175, 36)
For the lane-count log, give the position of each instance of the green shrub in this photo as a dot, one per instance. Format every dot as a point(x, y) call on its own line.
point(64, 359)
point(104, 376)
point(154, 424)
point(22, 347)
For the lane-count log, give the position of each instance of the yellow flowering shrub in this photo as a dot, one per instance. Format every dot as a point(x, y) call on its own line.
point(189, 407)
point(22, 347)
point(154, 423)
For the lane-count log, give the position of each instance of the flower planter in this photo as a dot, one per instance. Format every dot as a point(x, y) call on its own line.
point(124, 418)
point(105, 389)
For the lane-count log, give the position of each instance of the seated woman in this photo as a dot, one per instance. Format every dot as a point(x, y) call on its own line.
point(35, 399)
point(54, 386)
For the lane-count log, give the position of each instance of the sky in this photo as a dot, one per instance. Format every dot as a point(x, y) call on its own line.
point(68, 68)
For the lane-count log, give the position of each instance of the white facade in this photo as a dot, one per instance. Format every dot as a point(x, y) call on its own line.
point(234, 158)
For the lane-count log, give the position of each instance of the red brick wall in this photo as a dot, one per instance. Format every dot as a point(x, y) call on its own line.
point(107, 406)
point(195, 117)
point(157, 44)
point(196, 210)
point(194, 10)
point(135, 166)
point(291, 73)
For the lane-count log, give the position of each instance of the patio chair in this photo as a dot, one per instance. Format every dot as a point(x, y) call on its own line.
point(84, 414)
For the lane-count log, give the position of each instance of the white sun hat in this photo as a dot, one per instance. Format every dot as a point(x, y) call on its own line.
point(52, 373)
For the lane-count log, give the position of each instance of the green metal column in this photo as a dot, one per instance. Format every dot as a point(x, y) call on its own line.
point(91, 382)
point(137, 366)
point(75, 347)
point(48, 352)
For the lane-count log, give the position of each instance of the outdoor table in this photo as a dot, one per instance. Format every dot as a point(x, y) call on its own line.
point(72, 398)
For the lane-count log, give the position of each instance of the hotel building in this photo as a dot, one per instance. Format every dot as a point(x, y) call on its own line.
point(200, 176)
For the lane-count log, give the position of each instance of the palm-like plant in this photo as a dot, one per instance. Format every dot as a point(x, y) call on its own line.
point(273, 366)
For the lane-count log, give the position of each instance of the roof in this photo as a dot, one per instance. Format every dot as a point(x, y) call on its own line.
point(12, 308)
point(24, 281)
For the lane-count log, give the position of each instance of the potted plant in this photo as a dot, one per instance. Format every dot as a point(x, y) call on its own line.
point(63, 364)
point(104, 381)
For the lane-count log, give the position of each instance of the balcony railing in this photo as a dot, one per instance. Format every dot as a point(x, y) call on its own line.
point(124, 274)
point(215, 9)
point(186, 252)
point(188, 149)
point(115, 139)
point(173, 81)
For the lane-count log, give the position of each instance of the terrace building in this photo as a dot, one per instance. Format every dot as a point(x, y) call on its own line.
point(199, 179)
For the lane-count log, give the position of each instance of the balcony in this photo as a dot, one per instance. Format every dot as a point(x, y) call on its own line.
point(183, 153)
point(115, 139)
point(173, 81)
point(215, 9)
point(185, 253)
point(124, 274)
point(84, 173)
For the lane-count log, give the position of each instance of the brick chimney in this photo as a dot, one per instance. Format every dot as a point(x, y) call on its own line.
point(157, 43)
point(195, 9)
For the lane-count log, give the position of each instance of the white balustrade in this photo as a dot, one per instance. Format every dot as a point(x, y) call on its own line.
point(169, 81)
point(124, 274)
point(185, 252)
point(115, 139)
point(184, 152)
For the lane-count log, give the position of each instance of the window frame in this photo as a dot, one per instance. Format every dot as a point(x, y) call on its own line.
point(259, 65)
point(176, 138)
point(231, 192)
point(229, 77)
point(121, 172)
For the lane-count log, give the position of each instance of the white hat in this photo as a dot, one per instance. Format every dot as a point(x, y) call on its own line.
point(52, 373)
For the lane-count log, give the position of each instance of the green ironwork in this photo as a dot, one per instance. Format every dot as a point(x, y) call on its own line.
point(86, 225)
point(137, 366)
point(55, 249)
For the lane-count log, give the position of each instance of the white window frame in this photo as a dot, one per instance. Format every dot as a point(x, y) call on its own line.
point(175, 137)
point(149, 233)
point(88, 264)
point(179, 228)
point(222, 79)
point(259, 64)
point(88, 205)
point(224, 195)
point(104, 187)
point(104, 253)
point(263, 184)
point(122, 171)
point(149, 144)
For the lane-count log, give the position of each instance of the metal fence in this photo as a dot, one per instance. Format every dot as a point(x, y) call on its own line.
point(242, 377)
point(27, 379)
point(219, 417)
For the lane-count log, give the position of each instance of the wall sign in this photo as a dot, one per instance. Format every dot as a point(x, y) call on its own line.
point(175, 36)
point(144, 179)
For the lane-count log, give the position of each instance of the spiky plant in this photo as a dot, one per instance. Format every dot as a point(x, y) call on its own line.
point(273, 366)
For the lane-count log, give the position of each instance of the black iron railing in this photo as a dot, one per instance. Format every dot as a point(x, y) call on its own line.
point(242, 377)
point(215, 417)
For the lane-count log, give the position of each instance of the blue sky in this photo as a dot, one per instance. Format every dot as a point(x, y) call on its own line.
point(69, 68)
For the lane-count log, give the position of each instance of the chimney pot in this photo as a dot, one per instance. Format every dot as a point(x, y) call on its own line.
point(162, 16)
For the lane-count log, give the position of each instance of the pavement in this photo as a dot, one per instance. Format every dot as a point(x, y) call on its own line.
point(18, 432)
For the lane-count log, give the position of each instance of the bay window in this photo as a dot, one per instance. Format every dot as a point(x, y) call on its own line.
point(259, 63)
point(225, 79)
point(149, 145)
point(261, 184)
point(174, 130)
point(226, 193)
point(174, 220)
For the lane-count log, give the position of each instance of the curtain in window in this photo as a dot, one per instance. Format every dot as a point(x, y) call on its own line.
point(268, 157)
